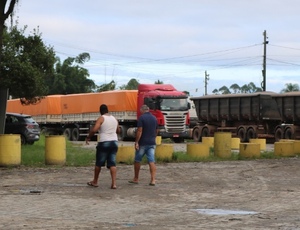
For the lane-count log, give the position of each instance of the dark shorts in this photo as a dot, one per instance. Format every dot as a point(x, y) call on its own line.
point(106, 152)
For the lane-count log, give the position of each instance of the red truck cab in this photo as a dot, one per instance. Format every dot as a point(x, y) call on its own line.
point(169, 106)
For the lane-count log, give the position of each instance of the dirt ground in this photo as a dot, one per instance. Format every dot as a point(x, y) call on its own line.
point(249, 194)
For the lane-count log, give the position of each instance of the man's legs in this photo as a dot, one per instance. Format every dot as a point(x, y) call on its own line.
point(151, 161)
point(152, 168)
point(94, 182)
point(113, 173)
point(137, 166)
point(139, 153)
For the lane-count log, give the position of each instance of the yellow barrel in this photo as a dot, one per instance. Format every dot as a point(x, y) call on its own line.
point(208, 141)
point(297, 147)
point(158, 140)
point(164, 151)
point(125, 154)
point(262, 143)
point(222, 144)
point(284, 148)
point(286, 140)
point(55, 150)
point(197, 150)
point(249, 150)
point(10, 150)
point(235, 143)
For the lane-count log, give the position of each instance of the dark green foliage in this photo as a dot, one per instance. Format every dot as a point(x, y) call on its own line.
point(26, 63)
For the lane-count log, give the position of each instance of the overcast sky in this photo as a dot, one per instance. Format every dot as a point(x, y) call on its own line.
point(174, 41)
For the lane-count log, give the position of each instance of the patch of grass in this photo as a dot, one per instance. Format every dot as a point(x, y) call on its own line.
point(268, 155)
point(34, 155)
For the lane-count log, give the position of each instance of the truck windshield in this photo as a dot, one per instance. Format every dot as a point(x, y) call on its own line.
point(172, 104)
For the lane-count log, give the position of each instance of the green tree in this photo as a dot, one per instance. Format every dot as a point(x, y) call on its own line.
point(187, 93)
point(27, 62)
point(245, 88)
point(290, 87)
point(252, 87)
point(3, 16)
point(215, 91)
point(106, 87)
point(131, 85)
point(235, 87)
point(224, 90)
point(158, 82)
point(70, 77)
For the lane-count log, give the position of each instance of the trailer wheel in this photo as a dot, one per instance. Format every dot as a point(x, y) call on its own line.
point(67, 133)
point(278, 134)
point(242, 134)
point(75, 134)
point(44, 131)
point(251, 134)
point(122, 134)
point(288, 134)
point(205, 132)
point(196, 134)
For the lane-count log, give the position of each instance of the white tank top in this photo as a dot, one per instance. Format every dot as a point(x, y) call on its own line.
point(108, 129)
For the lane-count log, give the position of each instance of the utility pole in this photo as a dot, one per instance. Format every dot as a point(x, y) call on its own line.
point(206, 81)
point(263, 84)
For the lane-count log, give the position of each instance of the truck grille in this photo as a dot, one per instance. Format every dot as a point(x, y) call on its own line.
point(175, 122)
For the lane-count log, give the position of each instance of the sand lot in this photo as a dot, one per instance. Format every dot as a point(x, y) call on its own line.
point(254, 194)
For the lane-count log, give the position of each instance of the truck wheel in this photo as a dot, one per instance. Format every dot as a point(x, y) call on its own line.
point(288, 134)
point(196, 134)
point(44, 131)
point(278, 134)
point(205, 132)
point(251, 134)
point(242, 134)
point(122, 134)
point(67, 133)
point(75, 134)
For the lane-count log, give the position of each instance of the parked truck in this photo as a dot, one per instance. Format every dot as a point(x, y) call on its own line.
point(246, 116)
point(289, 108)
point(74, 114)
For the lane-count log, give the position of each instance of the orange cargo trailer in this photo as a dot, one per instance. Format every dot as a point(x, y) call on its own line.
point(74, 114)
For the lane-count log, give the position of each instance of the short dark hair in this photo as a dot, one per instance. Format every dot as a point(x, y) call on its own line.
point(103, 109)
point(144, 108)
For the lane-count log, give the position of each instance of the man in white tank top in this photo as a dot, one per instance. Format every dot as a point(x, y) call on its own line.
point(106, 150)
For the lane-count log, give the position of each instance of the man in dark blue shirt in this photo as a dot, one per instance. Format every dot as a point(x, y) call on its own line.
point(145, 144)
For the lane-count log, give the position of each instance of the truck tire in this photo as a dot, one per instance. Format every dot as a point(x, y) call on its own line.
point(288, 134)
point(242, 134)
point(75, 134)
point(68, 133)
point(278, 134)
point(122, 134)
point(251, 134)
point(196, 134)
point(44, 131)
point(205, 132)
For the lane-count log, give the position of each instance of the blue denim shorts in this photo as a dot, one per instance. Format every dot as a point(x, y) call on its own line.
point(106, 152)
point(148, 150)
